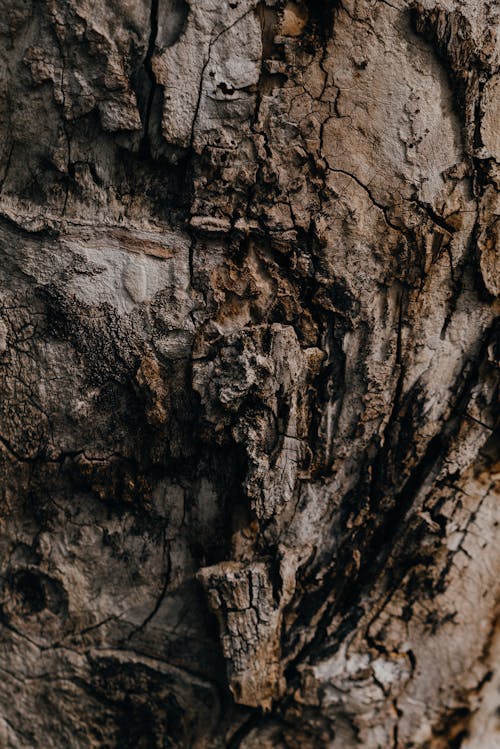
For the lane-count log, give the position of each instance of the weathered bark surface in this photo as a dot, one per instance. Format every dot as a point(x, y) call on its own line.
point(249, 354)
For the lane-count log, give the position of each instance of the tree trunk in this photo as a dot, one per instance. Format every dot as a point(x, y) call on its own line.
point(249, 353)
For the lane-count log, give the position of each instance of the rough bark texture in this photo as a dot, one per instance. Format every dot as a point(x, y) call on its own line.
point(249, 354)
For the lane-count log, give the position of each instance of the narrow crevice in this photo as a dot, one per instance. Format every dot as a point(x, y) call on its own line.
point(8, 161)
point(145, 147)
point(436, 218)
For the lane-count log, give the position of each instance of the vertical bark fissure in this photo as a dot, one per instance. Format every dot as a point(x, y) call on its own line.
point(148, 67)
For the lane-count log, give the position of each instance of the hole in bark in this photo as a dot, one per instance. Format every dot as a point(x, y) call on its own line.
point(321, 17)
point(228, 90)
point(27, 590)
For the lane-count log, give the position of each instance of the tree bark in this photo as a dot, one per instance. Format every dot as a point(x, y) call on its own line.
point(249, 351)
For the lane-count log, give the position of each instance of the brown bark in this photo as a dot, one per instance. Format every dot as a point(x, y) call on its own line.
point(249, 354)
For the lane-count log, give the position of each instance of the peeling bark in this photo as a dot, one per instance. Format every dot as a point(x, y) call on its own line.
point(249, 350)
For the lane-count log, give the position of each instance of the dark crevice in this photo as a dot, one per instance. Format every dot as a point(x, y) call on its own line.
point(145, 146)
point(436, 218)
point(321, 17)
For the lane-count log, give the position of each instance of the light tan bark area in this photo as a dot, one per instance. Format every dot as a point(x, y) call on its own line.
point(249, 350)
